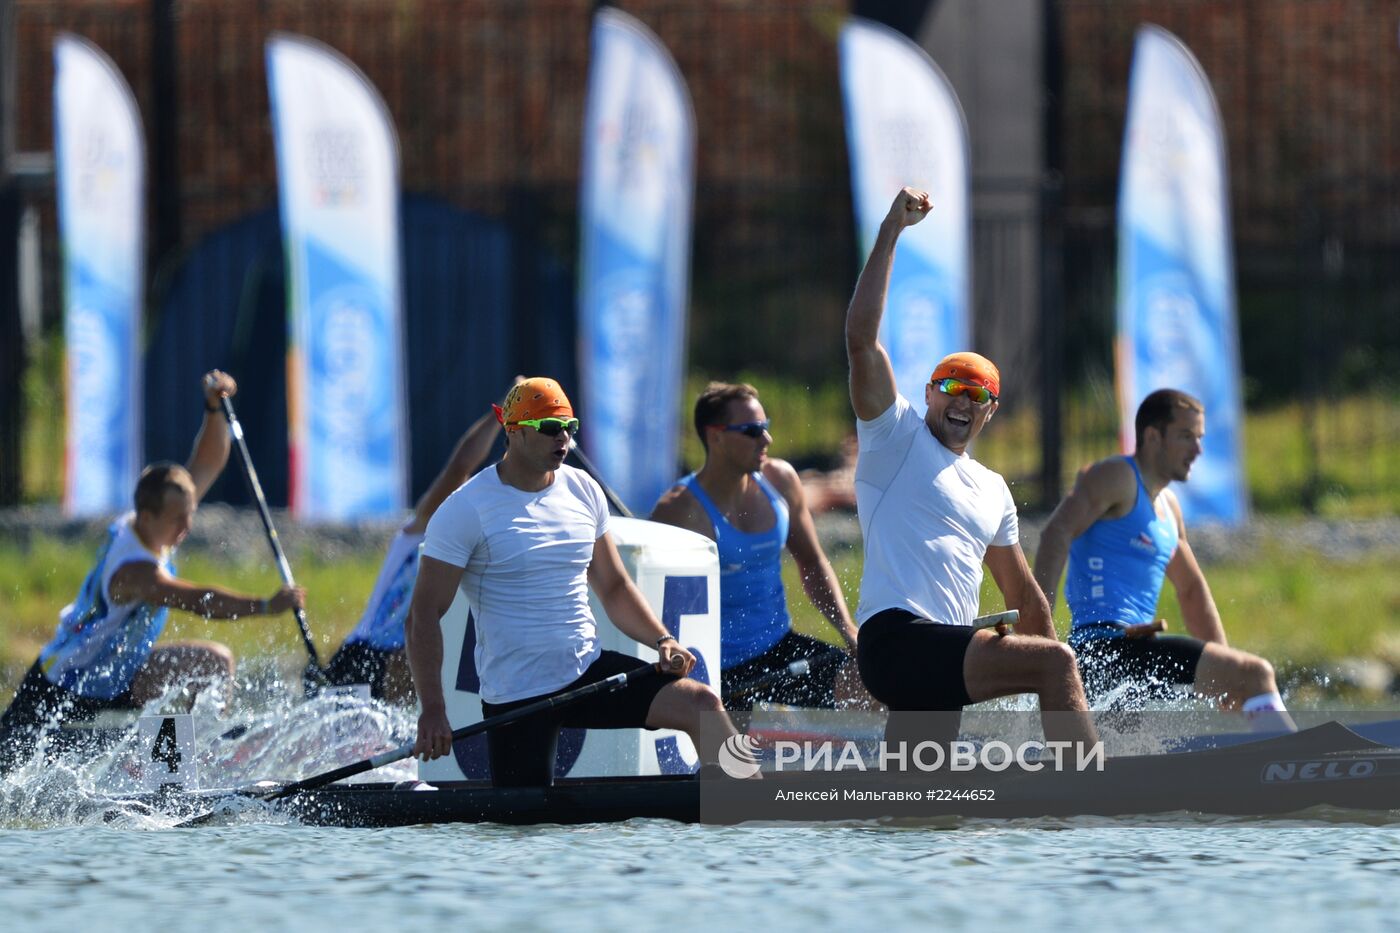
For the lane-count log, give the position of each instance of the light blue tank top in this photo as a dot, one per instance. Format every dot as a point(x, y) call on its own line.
point(1116, 568)
point(753, 606)
point(98, 648)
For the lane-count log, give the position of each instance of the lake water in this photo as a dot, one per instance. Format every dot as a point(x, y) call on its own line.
point(67, 869)
point(1167, 874)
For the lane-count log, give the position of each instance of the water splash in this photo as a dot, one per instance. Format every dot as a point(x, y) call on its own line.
point(284, 739)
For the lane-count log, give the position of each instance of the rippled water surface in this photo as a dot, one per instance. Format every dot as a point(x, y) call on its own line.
point(649, 874)
point(66, 868)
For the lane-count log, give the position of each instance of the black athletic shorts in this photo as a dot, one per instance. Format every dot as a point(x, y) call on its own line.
point(359, 663)
point(1153, 666)
point(816, 688)
point(39, 705)
point(522, 753)
point(910, 663)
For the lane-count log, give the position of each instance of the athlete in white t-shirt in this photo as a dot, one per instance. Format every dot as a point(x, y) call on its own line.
point(931, 517)
point(374, 652)
point(524, 541)
point(104, 654)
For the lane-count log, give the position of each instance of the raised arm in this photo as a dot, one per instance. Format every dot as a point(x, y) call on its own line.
point(1198, 608)
point(1018, 588)
point(146, 582)
point(433, 593)
point(472, 448)
point(1098, 491)
point(872, 377)
point(212, 443)
point(628, 609)
point(818, 579)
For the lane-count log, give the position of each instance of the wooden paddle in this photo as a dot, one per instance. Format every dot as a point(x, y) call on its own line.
point(607, 685)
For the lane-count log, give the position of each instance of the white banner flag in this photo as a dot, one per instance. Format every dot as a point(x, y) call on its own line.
point(637, 188)
point(905, 127)
point(100, 158)
point(1176, 273)
point(338, 182)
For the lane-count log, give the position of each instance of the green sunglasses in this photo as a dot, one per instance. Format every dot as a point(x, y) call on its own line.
point(550, 427)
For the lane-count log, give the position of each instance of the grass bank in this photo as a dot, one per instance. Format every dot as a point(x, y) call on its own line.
point(1297, 609)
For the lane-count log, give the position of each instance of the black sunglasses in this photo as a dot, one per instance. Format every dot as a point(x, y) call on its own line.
point(754, 429)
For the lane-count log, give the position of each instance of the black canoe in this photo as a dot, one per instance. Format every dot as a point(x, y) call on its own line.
point(1328, 765)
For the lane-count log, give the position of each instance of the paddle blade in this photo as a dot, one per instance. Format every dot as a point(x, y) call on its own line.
point(313, 679)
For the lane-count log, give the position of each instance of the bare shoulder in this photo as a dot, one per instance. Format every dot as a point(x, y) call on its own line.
point(783, 477)
point(1110, 479)
point(1175, 505)
point(678, 507)
point(138, 581)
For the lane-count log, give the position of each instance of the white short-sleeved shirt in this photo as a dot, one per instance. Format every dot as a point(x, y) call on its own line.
point(526, 557)
point(928, 516)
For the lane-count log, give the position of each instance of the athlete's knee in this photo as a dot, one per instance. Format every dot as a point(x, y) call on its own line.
point(1058, 660)
point(1259, 674)
point(211, 659)
point(701, 698)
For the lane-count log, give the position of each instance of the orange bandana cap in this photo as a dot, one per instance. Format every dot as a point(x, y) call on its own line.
point(536, 397)
point(972, 368)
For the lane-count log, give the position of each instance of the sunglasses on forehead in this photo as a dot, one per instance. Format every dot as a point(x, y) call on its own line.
point(754, 429)
point(550, 427)
point(953, 387)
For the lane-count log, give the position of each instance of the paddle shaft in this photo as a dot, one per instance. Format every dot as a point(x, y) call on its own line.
point(617, 503)
point(607, 685)
point(793, 671)
point(285, 569)
point(1010, 617)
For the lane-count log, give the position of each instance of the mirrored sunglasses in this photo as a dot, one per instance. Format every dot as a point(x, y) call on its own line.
point(979, 394)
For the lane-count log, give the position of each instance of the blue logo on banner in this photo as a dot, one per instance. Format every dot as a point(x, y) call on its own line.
point(631, 336)
point(98, 334)
point(353, 428)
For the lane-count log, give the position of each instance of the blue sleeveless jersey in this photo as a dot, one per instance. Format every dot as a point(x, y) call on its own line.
point(1116, 568)
point(753, 606)
point(98, 648)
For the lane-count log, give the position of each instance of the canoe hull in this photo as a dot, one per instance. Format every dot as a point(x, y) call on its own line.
point(1324, 767)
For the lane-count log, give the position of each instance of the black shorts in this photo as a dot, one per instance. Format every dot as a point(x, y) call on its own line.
point(359, 663)
point(40, 705)
point(522, 753)
point(910, 663)
point(816, 688)
point(1153, 666)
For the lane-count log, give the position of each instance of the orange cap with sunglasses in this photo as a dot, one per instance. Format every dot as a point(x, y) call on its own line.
point(536, 397)
point(972, 368)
